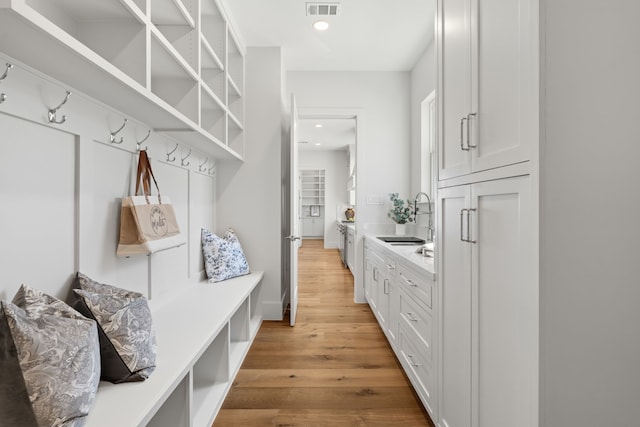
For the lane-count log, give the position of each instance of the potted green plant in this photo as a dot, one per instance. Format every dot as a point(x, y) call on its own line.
point(399, 213)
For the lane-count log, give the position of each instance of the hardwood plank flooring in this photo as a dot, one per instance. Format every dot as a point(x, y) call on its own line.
point(334, 368)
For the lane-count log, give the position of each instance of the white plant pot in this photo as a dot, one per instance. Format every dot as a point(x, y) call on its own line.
point(401, 229)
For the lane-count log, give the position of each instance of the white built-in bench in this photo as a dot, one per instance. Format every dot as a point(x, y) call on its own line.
point(203, 336)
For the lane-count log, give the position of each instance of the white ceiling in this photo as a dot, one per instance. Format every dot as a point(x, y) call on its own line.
point(380, 35)
point(335, 134)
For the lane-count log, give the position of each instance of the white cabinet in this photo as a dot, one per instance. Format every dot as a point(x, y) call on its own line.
point(173, 65)
point(400, 296)
point(351, 248)
point(487, 88)
point(488, 305)
point(312, 227)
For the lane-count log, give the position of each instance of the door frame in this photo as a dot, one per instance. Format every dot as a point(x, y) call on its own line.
point(358, 115)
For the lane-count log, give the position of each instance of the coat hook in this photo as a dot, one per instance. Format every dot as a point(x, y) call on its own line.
point(211, 172)
point(113, 139)
point(6, 72)
point(138, 143)
point(172, 159)
point(203, 166)
point(54, 111)
point(185, 158)
point(3, 97)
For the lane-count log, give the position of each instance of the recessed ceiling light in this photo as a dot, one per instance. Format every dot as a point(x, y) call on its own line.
point(319, 125)
point(321, 25)
point(317, 143)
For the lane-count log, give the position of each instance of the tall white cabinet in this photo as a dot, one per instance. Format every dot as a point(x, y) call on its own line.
point(488, 297)
point(487, 84)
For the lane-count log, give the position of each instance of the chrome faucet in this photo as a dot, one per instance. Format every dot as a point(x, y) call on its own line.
point(428, 212)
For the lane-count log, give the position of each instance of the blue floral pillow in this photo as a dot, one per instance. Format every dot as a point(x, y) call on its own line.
point(223, 257)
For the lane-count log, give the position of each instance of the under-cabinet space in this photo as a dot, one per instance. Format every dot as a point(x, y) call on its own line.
point(176, 23)
point(214, 30)
point(171, 80)
point(113, 30)
point(212, 115)
point(211, 379)
point(174, 412)
point(255, 306)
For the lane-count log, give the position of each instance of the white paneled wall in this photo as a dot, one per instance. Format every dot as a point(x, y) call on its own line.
point(61, 186)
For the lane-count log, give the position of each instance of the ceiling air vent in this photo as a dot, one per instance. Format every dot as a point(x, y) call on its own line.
point(322, 9)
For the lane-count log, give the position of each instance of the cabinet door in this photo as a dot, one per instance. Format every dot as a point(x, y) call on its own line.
point(454, 296)
point(503, 97)
point(455, 87)
point(504, 305)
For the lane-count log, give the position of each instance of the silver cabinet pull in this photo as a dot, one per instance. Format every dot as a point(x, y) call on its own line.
point(411, 361)
point(391, 266)
point(409, 282)
point(469, 145)
point(468, 238)
point(469, 225)
point(462, 120)
point(375, 273)
point(385, 287)
point(410, 316)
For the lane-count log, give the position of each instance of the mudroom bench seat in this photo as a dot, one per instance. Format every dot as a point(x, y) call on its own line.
point(202, 336)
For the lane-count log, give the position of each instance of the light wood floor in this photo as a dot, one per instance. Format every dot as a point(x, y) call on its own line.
point(334, 368)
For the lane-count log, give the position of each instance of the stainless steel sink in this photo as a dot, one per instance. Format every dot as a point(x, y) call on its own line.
point(402, 240)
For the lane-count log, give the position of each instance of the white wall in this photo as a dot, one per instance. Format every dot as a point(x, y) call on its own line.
point(251, 193)
point(383, 149)
point(423, 82)
point(336, 175)
point(589, 280)
point(61, 189)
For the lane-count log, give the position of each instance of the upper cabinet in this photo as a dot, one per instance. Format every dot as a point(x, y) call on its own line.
point(487, 84)
point(174, 65)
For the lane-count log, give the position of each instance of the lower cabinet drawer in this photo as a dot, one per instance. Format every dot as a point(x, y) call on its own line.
point(418, 367)
point(418, 319)
point(416, 284)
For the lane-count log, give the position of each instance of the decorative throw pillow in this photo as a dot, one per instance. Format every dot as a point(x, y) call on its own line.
point(223, 257)
point(50, 362)
point(127, 343)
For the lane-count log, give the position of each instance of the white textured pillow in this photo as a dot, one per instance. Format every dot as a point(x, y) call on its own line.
point(223, 257)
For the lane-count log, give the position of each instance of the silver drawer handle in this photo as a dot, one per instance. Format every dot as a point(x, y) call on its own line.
point(391, 266)
point(413, 363)
point(469, 131)
point(410, 316)
point(410, 283)
point(462, 122)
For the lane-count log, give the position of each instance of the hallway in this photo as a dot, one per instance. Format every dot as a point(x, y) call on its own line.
point(334, 368)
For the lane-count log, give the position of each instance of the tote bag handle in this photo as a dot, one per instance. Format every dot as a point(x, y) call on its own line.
point(144, 176)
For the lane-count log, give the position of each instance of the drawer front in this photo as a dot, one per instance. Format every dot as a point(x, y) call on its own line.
point(417, 319)
point(419, 369)
point(416, 285)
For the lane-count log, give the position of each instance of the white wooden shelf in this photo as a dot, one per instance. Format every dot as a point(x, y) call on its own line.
point(150, 59)
point(203, 335)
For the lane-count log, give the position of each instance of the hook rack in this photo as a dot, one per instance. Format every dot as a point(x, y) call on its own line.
point(138, 143)
point(54, 111)
point(210, 171)
point(3, 96)
point(6, 71)
point(169, 158)
point(112, 137)
point(185, 158)
point(202, 166)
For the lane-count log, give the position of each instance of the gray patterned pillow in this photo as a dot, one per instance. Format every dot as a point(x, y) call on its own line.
point(127, 342)
point(50, 362)
point(223, 257)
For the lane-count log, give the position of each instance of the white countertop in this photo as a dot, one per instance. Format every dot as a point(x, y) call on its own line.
point(409, 254)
